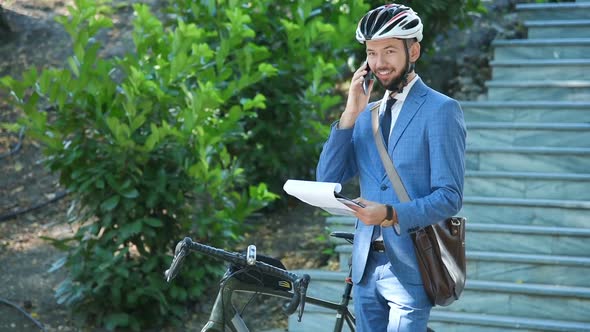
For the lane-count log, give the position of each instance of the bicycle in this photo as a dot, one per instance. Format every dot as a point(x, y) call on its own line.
point(240, 278)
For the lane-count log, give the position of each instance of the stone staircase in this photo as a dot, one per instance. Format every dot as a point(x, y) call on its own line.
point(527, 188)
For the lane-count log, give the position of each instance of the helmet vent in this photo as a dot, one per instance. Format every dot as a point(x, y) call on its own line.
point(389, 27)
point(411, 25)
point(396, 23)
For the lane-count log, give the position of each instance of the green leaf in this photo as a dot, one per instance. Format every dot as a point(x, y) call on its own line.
point(64, 291)
point(11, 127)
point(128, 230)
point(267, 69)
point(74, 65)
point(203, 51)
point(114, 125)
point(113, 321)
point(130, 193)
point(153, 222)
point(60, 244)
point(257, 102)
point(110, 204)
point(57, 264)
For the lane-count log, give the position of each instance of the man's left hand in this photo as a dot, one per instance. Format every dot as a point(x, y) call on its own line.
point(372, 214)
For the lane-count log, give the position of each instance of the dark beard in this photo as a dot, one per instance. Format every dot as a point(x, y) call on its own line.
point(396, 84)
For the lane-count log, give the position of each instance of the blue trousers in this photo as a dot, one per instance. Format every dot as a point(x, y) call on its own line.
point(382, 303)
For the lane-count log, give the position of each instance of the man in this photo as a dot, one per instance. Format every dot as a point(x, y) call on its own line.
point(426, 141)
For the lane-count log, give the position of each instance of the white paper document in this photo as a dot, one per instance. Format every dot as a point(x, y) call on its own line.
point(320, 194)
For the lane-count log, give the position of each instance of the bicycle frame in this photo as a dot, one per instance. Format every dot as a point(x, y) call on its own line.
point(224, 314)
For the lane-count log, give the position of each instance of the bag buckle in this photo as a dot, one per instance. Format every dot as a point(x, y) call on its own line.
point(455, 222)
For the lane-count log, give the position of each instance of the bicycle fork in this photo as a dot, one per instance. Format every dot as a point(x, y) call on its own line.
point(224, 314)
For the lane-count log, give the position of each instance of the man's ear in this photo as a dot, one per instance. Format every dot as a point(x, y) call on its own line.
point(414, 52)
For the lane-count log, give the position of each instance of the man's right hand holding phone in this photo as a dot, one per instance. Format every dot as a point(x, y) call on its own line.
point(357, 97)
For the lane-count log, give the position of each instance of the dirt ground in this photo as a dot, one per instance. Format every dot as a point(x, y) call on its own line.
point(32, 203)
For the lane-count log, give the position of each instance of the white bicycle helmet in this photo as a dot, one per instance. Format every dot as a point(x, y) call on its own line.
point(389, 21)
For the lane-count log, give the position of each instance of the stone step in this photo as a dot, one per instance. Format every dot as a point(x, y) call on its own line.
point(551, 48)
point(496, 237)
point(540, 69)
point(528, 159)
point(504, 301)
point(447, 321)
point(558, 28)
point(516, 267)
point(528, 268)
point(524, 300)
point(314, 320)
point(326, 285)
point(526, 111)
point(526, 239)
point(569, 90)
point(563, 186)
point(329, 285)
point(340, 223)
point(519, 211)
point(553, 11)
point(524, 211)
point(502, 134)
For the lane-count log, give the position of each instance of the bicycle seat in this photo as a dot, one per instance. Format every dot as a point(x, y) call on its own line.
point(343, 235)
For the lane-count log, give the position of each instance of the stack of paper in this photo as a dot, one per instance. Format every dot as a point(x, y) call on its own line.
point(320, 194)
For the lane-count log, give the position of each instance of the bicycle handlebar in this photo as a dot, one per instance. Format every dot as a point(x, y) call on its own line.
point(300, 283)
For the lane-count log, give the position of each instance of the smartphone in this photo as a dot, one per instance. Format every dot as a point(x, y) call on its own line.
point(346, 200)
point(367, 80)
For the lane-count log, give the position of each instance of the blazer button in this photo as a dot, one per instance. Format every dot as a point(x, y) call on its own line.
point(383, 187)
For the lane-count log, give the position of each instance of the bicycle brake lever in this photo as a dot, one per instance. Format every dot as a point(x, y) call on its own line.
point(303, 291)
point(180, 252)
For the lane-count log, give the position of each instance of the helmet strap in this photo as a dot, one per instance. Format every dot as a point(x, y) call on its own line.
point(399, 84)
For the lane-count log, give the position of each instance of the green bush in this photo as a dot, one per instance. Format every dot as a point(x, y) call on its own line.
point(141, 143)
point(303, 40)
point(312, 45)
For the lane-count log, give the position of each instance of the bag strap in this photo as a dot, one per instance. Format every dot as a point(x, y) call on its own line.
point(396, 181)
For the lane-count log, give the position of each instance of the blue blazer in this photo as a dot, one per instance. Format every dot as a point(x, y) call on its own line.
point(428, 149)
